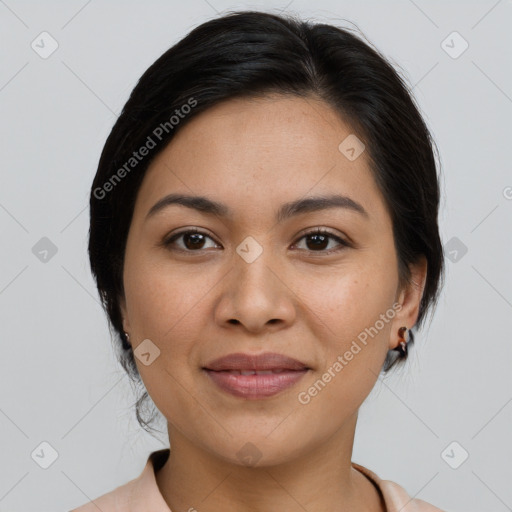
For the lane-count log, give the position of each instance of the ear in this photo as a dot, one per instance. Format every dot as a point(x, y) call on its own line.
point(124, 315)
point(409, 298)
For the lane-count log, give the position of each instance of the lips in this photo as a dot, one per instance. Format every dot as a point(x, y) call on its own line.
point(255, 377)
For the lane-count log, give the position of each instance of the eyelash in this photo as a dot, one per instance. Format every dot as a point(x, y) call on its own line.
point(319, 231)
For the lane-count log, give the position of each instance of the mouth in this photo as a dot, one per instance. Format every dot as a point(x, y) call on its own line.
point(255, 385)
point(255, 377)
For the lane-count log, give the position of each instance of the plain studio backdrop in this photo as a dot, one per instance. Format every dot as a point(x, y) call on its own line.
point(440, 427)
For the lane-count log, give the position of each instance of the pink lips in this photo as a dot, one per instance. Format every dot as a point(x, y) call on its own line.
point(255, 376)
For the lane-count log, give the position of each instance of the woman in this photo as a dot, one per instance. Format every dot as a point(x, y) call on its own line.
point(264, 237)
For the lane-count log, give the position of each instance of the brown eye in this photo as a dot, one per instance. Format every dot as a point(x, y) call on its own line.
point(318, 241)
point(193, 240)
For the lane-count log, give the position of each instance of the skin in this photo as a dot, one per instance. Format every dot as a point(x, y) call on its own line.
point(295, 299)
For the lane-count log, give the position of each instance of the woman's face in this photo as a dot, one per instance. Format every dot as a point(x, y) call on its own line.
point(252, 282)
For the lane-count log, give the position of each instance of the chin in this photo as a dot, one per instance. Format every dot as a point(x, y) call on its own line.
point(258, 449)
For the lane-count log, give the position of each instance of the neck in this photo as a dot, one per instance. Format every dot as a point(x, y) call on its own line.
point(319, 480)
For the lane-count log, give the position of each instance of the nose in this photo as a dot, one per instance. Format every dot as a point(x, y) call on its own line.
point(256, 296)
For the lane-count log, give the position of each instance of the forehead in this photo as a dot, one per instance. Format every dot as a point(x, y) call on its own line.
point(262, 152)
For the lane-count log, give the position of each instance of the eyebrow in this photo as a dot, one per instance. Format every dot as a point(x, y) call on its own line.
point(286, 211)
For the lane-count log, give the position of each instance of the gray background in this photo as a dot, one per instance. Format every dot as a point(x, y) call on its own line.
point(60, 382)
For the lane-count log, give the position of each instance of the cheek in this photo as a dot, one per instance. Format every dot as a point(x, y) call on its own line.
point(348, 300)
point(159, 297)
point(353, 315)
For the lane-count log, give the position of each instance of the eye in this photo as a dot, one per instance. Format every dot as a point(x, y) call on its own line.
point(319, 240)
point(193, 240)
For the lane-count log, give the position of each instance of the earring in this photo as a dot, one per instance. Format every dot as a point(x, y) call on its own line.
point(127, 340)
point(402, 343)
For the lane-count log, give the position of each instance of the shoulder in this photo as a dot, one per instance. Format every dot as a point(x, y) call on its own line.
point(396, 497)
point(138, 495)
point(117, 500)
point(113, 501)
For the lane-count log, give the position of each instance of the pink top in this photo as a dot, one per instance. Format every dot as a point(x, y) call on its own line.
point(142, 493)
